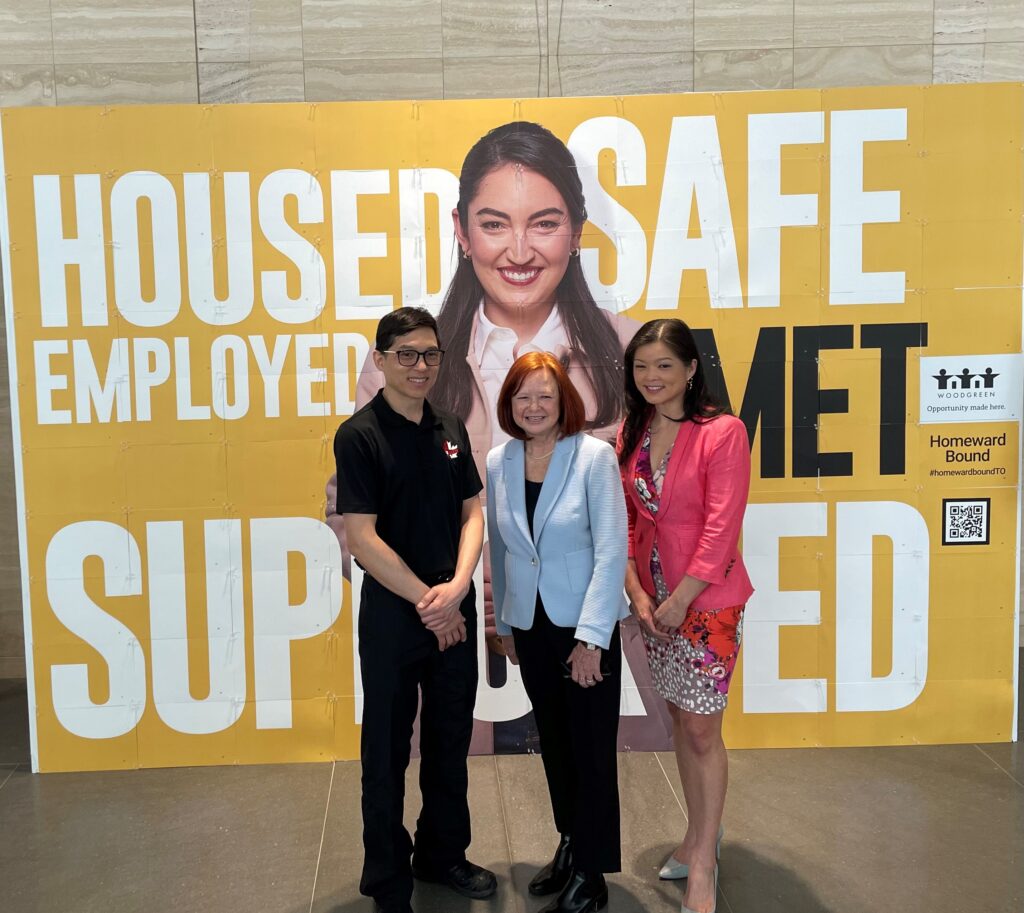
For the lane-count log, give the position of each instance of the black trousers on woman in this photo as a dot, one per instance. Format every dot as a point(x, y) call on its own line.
point(578, 728)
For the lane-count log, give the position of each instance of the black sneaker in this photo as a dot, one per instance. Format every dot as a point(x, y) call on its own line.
point(463, 878)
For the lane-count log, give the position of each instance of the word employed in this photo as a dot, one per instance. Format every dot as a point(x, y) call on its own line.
point(123, 385)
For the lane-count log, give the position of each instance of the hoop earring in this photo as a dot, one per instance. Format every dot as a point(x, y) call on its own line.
point(466, 255)
point(575, 252)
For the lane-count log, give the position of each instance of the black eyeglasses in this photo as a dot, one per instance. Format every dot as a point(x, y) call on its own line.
point(409, 358)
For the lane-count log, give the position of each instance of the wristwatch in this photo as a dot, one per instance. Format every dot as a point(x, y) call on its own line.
point(590, 647)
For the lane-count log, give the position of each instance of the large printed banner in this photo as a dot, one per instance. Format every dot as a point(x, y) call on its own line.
point(192, 292)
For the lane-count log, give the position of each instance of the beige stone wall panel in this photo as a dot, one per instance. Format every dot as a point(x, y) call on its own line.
point(725, 25)
point(620, 27)
point(493, 28)
point(995, 62)
point(815, 68)
point(259, 81)
point(622, 74)
point(374, 80)
point(494, 77)
point(126, 84)
point(26, 35)
point(341, 29)
point(114, 31)
point(856, 23)
point(731, 71)
point(248, 30)
point(978, 21)
point(24, 84)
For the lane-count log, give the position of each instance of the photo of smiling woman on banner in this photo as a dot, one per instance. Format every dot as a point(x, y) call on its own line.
point(519, 287)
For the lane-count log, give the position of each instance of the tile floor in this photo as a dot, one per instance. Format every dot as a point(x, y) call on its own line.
point(913, 830)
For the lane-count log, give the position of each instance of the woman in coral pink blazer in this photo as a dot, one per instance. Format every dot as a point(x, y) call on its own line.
point(685, 468)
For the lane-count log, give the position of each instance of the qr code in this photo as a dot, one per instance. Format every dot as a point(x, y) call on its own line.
point(965, 522)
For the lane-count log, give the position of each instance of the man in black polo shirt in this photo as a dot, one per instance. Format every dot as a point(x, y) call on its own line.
point(408, 489)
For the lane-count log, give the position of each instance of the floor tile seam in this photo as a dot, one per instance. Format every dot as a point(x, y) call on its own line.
point(1000, 766)
point(657, 757)
point(721, 890)
point(10, 774)
point(520, 908)
point(672, 789)
point(323, 833)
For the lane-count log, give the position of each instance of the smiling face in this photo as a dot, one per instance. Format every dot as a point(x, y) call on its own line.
point(661, 376)
point(411, 383)
point(535, 405)
point(519, 236)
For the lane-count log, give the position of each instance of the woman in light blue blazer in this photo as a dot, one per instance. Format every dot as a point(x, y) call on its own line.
point(557, 529)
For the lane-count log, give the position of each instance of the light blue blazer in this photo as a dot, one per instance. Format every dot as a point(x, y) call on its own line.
point(577, 556)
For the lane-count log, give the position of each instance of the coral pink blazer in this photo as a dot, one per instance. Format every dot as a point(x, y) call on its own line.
point(700, 513)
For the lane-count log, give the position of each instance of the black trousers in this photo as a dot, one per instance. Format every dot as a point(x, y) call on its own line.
point(400, 661)
point(578, 728)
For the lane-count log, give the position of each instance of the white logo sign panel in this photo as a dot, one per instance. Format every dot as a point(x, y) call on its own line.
point(971, 388)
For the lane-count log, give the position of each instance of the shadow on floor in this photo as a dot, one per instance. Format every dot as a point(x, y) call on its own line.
point(748, 883)
point(361, 905)
point(433, 899)
point(753, 884)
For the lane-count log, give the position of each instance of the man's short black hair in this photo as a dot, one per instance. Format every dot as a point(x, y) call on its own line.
point(403, 321)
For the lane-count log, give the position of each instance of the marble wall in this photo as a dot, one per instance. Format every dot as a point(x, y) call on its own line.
point(115, 52)
point(215, 51)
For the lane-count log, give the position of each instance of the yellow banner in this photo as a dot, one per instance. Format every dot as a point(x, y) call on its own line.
point(191, 293)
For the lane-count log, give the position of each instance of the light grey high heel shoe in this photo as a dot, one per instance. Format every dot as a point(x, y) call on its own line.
point(674, 871)
point(685, 909)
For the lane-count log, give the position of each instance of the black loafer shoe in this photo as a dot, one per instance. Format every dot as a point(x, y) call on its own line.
point(553, 877)
point(463, 878)
point(583, 894)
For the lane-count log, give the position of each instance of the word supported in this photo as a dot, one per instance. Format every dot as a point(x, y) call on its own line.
point(771, 608)
point(276, 622)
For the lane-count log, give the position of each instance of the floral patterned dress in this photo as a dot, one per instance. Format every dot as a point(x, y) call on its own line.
point(694, 668)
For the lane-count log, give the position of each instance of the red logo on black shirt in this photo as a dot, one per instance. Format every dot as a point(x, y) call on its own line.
point(451, 449)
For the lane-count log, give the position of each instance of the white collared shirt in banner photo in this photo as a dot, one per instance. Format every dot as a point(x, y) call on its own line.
point(495, 350)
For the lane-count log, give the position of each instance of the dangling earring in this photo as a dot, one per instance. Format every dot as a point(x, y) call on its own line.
point(689, 384)
point(466, 255)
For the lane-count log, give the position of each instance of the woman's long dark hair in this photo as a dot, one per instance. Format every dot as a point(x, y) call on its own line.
point(698, 403)
point(590, 333)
